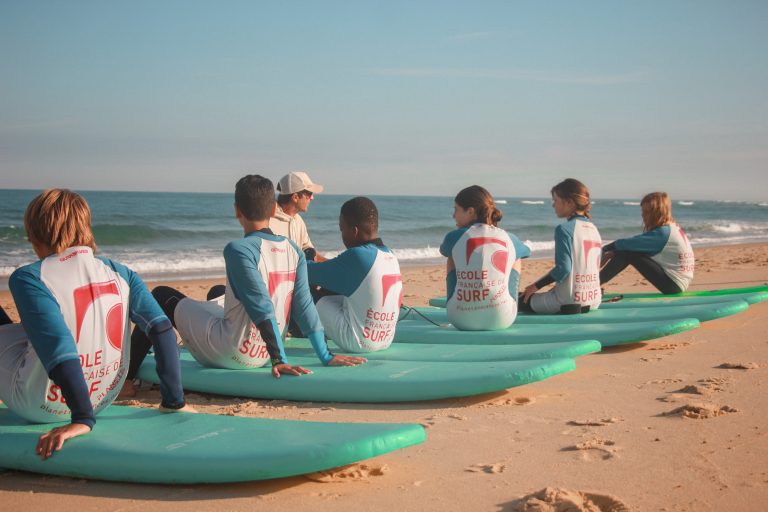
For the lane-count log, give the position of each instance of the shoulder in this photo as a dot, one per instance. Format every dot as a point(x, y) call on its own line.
point(453, 236)
point(450, 241)
point(25, 275)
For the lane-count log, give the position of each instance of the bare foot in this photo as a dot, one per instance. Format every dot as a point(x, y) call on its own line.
point(186, 408)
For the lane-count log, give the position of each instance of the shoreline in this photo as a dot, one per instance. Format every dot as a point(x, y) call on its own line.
point(166, 278)
point(660, 425)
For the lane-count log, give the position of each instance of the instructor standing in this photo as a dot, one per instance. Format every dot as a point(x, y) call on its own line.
point(295, 192)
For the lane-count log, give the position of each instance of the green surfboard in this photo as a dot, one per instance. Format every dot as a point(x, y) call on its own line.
point(608, 334)
point(458, 353)
point(375, 381)
point(694, 293)
point(620, 301)
point(638, 300)
point(145, 445)
point(701, 312)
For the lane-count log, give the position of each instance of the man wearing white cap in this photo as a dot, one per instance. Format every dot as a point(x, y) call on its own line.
point(295, 192)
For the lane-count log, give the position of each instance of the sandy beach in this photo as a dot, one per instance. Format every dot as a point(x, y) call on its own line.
point(676, 424)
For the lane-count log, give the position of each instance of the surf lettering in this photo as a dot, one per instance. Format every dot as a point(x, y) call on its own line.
point(377, 334)
point(254, 349)
point(55, 395)
point(463, 295)
point(587, 296)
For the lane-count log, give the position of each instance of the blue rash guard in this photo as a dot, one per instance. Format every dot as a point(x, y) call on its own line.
point(74, 311)
point(363, 316)
point(266, 279)
point(668, 246)
point(576, 270)
point(482, 286)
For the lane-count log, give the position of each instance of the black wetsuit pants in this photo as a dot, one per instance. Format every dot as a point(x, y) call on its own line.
point(4, 318)
point(648, 268)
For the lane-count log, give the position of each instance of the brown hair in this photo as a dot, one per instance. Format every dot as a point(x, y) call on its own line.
point(482, 201)
point(576, 191)
point(658, 206)
point(255, 196)
point(59, 219)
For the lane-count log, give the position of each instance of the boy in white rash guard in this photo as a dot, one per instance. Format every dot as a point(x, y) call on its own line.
point(662, 253)
point(266, 277)
point(484, 265)
point(68, 356)
point(577, 257)
point(361, 288)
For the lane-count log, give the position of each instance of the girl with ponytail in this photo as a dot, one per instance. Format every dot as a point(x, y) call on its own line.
point(577, 257)
point(484, 264)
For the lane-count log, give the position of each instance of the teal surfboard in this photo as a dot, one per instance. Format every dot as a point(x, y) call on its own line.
point(701, 312)
point(145, 445)
point(638, 300)
point(375, 381)
point(608, 334)
point(622, 302)
point(694, 293)
point(457, 353)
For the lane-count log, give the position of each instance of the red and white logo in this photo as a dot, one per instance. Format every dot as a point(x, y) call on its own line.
point(387, 282)
point(84, 298)
point(498, 258)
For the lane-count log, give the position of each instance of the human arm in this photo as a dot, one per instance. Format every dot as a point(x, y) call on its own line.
point(330, 275)
point(651, 242)
point(249, 288)
point(55, 347)
point(446, 249)
point(563, 263)
point(146, 313)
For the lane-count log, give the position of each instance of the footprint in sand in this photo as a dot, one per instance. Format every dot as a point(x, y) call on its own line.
point(739, 366)
point(492, 469)
point(601, 447)
point(554, 499)
point(594, 423)
point(700, 411)
point(660, 381)
point(715, 383)
point(351, 473)
point(693, 389)
point(669, 346)
point(518, 400)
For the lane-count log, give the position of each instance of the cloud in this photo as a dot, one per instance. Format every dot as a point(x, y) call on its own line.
point(530, 75)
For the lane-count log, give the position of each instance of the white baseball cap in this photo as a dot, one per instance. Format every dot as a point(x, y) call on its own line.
point(296, 182)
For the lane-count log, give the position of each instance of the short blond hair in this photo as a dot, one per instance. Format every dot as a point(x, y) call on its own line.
point(658, 206)
point(58, 219)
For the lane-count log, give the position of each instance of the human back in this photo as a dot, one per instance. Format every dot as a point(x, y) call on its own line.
point(576, 273)
point(70, 353)
point(361, 289)
point(483, 268)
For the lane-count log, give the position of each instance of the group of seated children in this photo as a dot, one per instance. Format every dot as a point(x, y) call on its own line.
point(483, 268)
point(73, 350)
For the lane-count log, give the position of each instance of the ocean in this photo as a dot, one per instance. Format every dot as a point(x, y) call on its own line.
point(181, 235)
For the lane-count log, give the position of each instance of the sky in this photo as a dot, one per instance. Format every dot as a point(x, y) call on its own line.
point(387, 97)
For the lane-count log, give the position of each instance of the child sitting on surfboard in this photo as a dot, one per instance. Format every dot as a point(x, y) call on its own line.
point(484, 264)
point(360, 290)
point(577, 257)
point(69, 355)
point(266, 279)
point(662, 253)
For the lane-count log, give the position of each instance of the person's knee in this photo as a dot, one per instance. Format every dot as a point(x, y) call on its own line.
point(216, 290)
